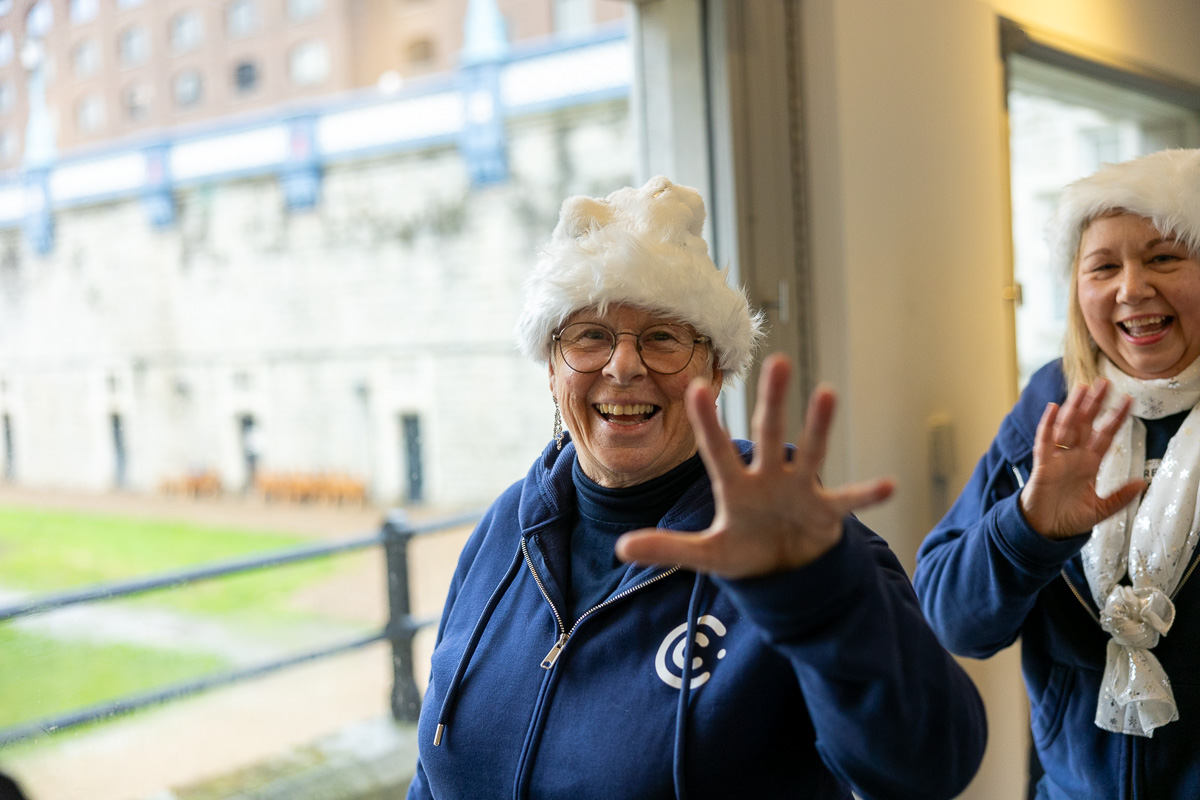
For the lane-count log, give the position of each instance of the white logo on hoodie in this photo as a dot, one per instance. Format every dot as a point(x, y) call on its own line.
point(676, 648)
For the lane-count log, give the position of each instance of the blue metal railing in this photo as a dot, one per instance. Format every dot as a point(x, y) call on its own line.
point(397, 531)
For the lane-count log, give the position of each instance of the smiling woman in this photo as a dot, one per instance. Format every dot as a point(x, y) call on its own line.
point(1078, 530)
point(682, 586)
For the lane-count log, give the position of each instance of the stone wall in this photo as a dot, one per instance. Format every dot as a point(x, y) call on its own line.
point(394, 297)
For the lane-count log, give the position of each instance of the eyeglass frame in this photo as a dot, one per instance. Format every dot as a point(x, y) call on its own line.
point(637, 344)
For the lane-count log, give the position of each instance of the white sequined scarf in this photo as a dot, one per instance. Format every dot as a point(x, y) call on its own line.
point(1151, 540)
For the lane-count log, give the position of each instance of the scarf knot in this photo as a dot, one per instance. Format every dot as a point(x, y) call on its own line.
point(1137, 617)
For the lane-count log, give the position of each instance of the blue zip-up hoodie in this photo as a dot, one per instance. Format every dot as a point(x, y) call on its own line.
point(985, 577)
point(799, 684)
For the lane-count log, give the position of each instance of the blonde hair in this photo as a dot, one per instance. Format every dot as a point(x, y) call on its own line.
point(1080, 363)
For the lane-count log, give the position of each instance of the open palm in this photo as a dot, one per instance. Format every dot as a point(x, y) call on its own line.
point(772, 514)
point(1060, 499)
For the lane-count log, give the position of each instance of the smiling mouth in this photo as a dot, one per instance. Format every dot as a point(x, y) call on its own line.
point(1143, 327)
point(626, 414)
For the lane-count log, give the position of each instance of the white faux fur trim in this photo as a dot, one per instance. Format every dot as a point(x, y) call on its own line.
point(639, 247)
point(1162, 186)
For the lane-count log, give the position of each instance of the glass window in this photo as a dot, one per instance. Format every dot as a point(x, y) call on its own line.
point(89, 114)
point(298, 10)
point(307, 355)
point(83, 10)
point(6, 48)
point(133, 46)
point(39, 19)
point(130, 3)
point(1063, 126)
point(186, 31)
point(85, 58)
point(5, 7)
point(245, 77)
point(241, 18)
point(6, 96)
point(136, 100)
point(308, 63)
point(187, 88)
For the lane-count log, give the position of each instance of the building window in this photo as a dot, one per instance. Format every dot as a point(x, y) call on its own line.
point(136, 99)
point(420, 52)
point(241, 18)
point(6, 48)
point(298, 10)
point(82, 10)
point(89, 114)
point(6, 97)
point(245, 77)
point(187, 88)
point(133, 45)
point(308, 63)
point(5, 7)
point(85, 58)
point(130, 3)
point(187, 31)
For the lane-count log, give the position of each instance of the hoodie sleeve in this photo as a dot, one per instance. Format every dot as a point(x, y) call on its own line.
point(980, 570)
point(895, 715)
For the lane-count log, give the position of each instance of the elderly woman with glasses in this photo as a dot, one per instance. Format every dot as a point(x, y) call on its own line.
point(655, 611)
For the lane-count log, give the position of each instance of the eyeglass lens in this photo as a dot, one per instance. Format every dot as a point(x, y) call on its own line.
point(588, 346)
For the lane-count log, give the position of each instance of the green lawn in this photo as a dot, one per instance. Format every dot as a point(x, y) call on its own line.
point(44, 677)
point(49, 550)
point(42, 550)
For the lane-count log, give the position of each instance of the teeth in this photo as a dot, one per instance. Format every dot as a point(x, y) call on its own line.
point(1143, 323)
point(624, 411)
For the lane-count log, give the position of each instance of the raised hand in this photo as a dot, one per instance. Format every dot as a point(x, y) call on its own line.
point(772, 514)
point(1060, 498)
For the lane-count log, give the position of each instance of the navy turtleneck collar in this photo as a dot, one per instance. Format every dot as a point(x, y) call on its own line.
point(640, 505)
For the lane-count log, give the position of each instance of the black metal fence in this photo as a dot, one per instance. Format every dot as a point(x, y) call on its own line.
point(394, 536)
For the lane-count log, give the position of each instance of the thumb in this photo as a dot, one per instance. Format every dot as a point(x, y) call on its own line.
point(657, 546)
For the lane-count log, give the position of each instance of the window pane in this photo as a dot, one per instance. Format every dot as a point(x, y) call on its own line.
point(242, 17)
point(231, 335)
point(309, 63)
point(85, 58)
point(133, 44)
point(83, 10)
point(1064, 126)
point(187, 31)
point(187, 88)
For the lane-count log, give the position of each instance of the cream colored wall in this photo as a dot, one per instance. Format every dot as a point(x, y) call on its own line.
point(907, 160)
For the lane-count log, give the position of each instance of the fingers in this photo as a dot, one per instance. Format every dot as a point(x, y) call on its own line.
point(1044, 436)
point(857, 496)
point(1102, 437)
point(651, 546)
point(716, 449)
point(1079, 412)
point(817, 421)
point(1107, 506)
point(769, 424)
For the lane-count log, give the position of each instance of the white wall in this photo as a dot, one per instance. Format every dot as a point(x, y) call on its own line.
point(907, 159)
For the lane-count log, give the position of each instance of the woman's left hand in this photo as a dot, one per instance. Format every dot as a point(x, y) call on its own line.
point(772, 514)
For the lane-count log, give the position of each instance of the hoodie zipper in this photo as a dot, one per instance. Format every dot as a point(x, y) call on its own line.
point(563, 633)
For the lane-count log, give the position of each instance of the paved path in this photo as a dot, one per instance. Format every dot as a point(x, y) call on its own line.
point(146, 756)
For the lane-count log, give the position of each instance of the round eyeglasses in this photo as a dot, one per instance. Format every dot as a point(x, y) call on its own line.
point(665, 349)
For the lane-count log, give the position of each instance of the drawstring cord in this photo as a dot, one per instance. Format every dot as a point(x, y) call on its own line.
point(685, 689)
point(472, 643)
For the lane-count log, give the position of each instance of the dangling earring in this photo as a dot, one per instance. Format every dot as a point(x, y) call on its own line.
point(558, 430)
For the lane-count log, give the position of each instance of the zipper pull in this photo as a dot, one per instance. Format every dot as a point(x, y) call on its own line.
point(552, 656)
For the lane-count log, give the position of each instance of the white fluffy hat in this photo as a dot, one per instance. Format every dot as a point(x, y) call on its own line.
point(640, 247)
point(1163, 186)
